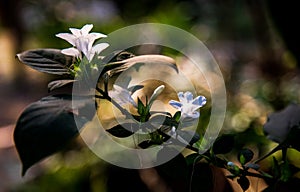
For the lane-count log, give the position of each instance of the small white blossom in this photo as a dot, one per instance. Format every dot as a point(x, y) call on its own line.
point(187, 105)
point(156, 92)
point(83, 42)
point(121, 95)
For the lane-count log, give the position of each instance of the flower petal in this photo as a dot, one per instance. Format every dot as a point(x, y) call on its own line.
point(181, 96)
point(82, 44)
point(68, 37)
point(121, 96)
point(99, 47)
point(76, 32)
point(97, 35)
point(188, 96)
point(200, 101)
point(175, 104)
point(156, 92)
point(72, 52)
point(86, 29)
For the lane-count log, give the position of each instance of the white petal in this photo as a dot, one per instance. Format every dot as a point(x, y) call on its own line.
point(99, 47)
point(96, 49)
point(118, 88)
point(68, 37)
point(193, 115)
point(76, 32)
point(71, 51)
point(156, 92)
point(97, 35)
point(86, 29)
point(82, 45)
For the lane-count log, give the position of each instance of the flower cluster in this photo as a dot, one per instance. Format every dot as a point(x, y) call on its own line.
point(82, 42)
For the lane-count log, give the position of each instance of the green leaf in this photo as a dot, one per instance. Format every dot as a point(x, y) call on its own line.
point(285, 171)
point(292, 139)
point(114, 68)
point(145, 144)
point(47, 60)
point(245, 155)
point(123, 130)
point(175, 168)
point(189, 136)
point(193, 158)
point(45, 127)
point(177, 116)
point(59, 83)
point(141, 107)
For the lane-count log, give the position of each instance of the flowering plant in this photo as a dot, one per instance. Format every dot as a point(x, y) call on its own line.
point(52, 118)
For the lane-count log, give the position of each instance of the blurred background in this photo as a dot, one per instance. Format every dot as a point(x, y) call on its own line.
point(254, 42)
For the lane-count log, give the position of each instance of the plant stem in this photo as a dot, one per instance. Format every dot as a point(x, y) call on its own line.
point(268, 154)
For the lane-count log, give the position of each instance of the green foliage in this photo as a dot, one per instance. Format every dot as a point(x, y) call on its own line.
point(124, 130)
point(245, 155)
point(45, 127)
point(47, 60)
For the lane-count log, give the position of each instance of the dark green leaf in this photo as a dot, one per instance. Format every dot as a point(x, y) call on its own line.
point(193, 158)
point(244, 183)
point(162, 119)
point(292, 139)
point(285, 170)
point(146, 144)
point(141, 107)
point(245, 155)
point(45, 127)
point(59, 83)
point(135, 88)
point(47, 60)
point(123, 130)
point(177, 116)
point(189, 136)
point(176, 167)
point(224, 144)
point(275, 168)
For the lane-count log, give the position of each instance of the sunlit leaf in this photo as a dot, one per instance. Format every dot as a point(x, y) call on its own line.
point(47, 60)
point(117, 67)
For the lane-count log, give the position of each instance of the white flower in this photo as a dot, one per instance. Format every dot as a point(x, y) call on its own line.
point(187, 105)
point(82, 41)
point(155, 94)
point(121, 95)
